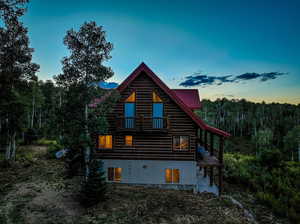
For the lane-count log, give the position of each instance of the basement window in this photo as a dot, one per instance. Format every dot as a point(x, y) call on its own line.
point(172, 176)
point(114, 174)
point(105, 142)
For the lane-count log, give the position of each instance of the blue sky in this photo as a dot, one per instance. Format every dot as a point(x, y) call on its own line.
point(177, 39)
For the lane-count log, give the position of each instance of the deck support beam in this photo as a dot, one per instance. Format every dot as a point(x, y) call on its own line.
point(211, 174)
point(221, 148)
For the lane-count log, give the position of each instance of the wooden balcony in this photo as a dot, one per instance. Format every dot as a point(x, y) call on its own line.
point(143, 124)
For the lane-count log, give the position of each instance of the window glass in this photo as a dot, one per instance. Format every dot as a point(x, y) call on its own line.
point(131, 98)
point(181, 142)
point(176, 175)
point(184, 142)
point(105, 141)
point(156, 98)
point(158, 109)
point(118, 174)
point(168, 175)
point(129, 109)
point(128, 140)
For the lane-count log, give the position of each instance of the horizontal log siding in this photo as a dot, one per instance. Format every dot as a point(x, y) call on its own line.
point(156, 145)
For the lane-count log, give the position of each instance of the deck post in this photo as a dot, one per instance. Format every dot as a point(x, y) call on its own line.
point(206, 148)
point(201, 136)
point(211, 174)
point(211, 144)
point(221, 148)
point(205, 140)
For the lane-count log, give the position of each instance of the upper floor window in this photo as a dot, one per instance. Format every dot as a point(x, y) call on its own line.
point(157, 111)
point(129, 111)
point(105, 142)
point(181, 143)
point(128, 140)
point(131, 98)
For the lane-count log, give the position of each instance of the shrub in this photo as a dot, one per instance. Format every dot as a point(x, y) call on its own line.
point(44, 141)
point(52, 149)
point(275, 182)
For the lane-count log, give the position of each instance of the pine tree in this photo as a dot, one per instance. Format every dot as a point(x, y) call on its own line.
point(94, 188)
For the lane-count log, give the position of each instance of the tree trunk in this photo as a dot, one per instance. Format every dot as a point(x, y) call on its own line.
point(40, 120)
point(88, 150)
point(299, 148)
point(8, 149)
point(33, 108)
point(13, 148)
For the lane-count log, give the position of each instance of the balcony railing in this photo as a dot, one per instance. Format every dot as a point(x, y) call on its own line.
point(142, 123)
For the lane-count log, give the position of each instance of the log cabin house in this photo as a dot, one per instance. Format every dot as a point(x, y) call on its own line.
point(156, 139)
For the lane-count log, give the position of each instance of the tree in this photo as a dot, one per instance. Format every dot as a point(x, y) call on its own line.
point(16, 69)
point(292, 143)
point(93, 190)
point(81, 70)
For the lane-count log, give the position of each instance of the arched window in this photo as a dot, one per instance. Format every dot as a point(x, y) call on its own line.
point(129, 111)
point(157, 111)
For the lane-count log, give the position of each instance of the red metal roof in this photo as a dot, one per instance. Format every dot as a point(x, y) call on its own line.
point(144, 68)
point(190, 97)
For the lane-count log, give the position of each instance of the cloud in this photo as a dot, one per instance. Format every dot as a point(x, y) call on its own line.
point(198, 80)
point(203, 80)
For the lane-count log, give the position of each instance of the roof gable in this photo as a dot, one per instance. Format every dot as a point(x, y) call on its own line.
point(190, 97)
point(144, 68)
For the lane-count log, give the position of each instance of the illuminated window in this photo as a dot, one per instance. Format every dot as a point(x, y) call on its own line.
point(114, 174)
point(105, 142)
point(157, 111)
point(129, 111)
point(128, 140)
point(131, 98)
point(172, 175)
point(156, 98)
point(181, 143)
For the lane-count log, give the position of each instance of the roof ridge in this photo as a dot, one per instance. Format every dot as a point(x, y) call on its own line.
point(172, 95)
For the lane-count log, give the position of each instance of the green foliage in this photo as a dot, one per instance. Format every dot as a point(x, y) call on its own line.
point(93, 190)
point(292, 143)
point(44, 141)
point(242, 118)
point(52, 149)
point(276, 182)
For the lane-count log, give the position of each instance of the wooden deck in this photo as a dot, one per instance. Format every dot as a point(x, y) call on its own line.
point(209, 161)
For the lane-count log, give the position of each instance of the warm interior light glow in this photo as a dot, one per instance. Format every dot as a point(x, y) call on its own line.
point(118, 174)
point(156, 98)
point(128, 140)
point(105, 141)
point(176, 175)
point(131, 98)
point(168, 175)
point(181, 142)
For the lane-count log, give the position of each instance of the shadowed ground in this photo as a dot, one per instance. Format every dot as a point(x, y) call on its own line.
point(35, 191)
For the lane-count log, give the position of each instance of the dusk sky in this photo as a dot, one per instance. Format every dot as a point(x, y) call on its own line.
point(234, 49)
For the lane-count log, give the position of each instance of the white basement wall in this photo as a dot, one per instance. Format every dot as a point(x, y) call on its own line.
point(152, 171)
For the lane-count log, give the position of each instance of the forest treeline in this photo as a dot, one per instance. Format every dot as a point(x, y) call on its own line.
point(265, 124)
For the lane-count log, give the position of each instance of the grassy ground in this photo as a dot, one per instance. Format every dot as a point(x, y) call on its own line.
point(34, 190)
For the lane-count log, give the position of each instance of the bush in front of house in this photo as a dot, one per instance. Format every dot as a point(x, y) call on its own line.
point(275, 182)
point(44, 141)
point(52, 149)
point(94, 188)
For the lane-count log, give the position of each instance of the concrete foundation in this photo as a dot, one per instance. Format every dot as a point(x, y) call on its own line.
point(152, 173)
